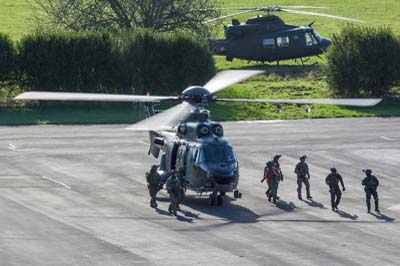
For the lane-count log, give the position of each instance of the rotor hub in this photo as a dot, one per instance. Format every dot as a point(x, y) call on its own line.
point(196, 94)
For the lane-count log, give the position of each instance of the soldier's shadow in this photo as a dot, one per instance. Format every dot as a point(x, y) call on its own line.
point(286, 206)
point(230, 212)
point(382, 216)
point(315, 204)
point(186, 217)
point(347, 215)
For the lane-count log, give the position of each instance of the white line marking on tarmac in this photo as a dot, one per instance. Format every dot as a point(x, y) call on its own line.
point(57, 182)
point(260, 122)
point(144, 142)
point(395, 208)
point(12, 146)
point(386, 138)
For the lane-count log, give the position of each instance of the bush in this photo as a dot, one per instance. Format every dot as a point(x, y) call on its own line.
point(163, 63)
point(363, 61)
point(8, 59)
point(77, 62)
point(129, 62)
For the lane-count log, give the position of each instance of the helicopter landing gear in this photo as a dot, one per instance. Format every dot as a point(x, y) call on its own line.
point(237, 194)
point(216, 198)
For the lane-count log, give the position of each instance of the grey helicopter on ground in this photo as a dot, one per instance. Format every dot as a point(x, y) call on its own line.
point(186, 137)
point(267, 38)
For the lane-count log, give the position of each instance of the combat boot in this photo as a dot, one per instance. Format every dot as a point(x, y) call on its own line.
point(300, 198)
point(369, 206)
point(377, 206)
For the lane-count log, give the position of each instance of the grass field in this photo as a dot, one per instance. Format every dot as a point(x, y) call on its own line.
point(290, 80)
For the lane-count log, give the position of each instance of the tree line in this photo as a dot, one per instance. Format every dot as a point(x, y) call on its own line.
point(128, 62)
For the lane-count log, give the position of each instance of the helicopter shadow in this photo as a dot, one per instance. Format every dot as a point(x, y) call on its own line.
point(347, 215)
point(232, 213)
point(315, 204)
point(381, 216)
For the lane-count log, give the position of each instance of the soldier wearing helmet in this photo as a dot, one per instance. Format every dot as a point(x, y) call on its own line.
point(333, 180)
point(274, 177)
point(303, 175)
point(371, 183)
point(153, 179)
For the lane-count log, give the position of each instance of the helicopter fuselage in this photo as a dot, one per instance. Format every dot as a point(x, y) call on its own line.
point(200, 149)
point(268, 39)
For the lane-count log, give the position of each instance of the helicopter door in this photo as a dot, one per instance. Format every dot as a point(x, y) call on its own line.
point(269, 49)
point(174, 154)
point(283, 47)
point(180, 159)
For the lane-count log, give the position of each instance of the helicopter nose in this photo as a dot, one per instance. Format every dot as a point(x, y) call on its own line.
point(325, 43)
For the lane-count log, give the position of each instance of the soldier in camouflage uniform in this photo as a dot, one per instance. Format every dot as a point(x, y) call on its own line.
point(371, 183)
point(181, 195)
point(332, 180)
point(174, 189)
point(153, 184)
point(303, 175)
point(275, 176)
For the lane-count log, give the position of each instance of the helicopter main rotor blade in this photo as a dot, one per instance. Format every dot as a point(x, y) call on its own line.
point(261, 8)
point(227, 78)
point(347, 102)
point(230, 15)
point(166, 120)
point(320, 14)
point(96, 97)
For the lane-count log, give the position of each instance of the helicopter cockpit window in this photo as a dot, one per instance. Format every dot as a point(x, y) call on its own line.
point(310, 39)
point(217, 154)
point(269, 43)
point(283, 41)
point(316, 34)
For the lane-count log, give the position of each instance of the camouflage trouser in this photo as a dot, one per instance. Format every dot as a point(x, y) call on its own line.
point(273, 184)
point(153, 189)
point(336, 195)
point(300, 181)
point(374, 193)
point(173, 206)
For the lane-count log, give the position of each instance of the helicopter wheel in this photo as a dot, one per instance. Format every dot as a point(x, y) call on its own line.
point(212, 199)
point(220, 200)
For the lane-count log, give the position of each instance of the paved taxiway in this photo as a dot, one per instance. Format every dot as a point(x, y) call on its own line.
point(76, 195)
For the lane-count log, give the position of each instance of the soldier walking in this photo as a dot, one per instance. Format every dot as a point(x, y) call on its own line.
point(371, 183)
point(275, 176)
point(181, 195)
point(153, 184)
point(265, 178)
point(303, 175)
point(332, 180)
point(174, 188)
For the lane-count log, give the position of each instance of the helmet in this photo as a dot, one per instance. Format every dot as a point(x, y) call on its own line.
point(333, 170)
point(303, 157)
